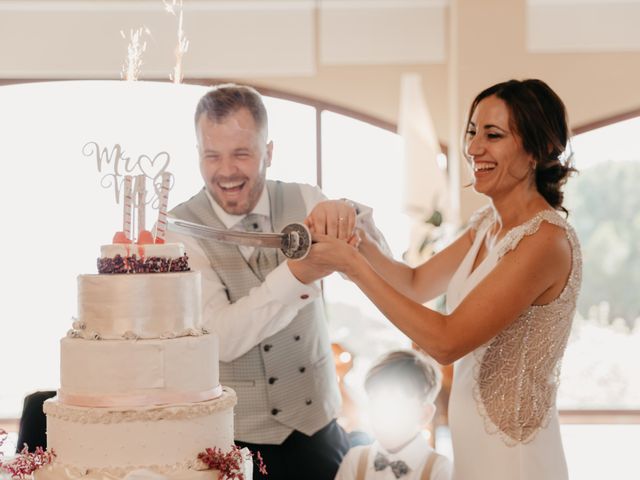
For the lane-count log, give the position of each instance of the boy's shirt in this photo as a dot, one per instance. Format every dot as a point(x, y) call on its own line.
point(415, 455)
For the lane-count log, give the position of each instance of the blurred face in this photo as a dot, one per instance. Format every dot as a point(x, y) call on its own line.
point(396, 417)
point(234, 156)
point(499, 162)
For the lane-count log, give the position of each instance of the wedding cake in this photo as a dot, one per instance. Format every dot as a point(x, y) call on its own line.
point(139, 390)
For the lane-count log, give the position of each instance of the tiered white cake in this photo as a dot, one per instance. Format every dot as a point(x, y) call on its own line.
point(139, 390)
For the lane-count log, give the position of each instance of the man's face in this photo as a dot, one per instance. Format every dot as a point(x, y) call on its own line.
point(234, 156)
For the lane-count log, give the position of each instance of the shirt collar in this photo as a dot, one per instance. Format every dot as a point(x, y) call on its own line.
point(413, 454)
point(263, 207)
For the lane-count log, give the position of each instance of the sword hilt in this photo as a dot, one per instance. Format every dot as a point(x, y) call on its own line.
point(296, 241)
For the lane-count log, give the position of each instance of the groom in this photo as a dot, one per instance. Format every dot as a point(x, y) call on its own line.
point(267, 310)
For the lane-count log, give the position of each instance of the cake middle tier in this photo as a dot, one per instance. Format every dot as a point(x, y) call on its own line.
point(102, 373)
point(139, 305)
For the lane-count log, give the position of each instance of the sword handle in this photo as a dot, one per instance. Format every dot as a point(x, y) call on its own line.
point(296, 241)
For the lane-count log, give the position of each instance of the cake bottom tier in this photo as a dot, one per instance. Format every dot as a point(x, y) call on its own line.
point(57, 472)
point(119, 442)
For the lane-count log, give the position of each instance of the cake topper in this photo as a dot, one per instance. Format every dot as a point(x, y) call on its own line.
point(118, 171)
point(114, 164)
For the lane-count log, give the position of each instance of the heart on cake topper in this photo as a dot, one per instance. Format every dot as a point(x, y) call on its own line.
point(153, 168)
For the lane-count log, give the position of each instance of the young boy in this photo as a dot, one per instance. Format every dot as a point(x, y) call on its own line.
point(401, 387)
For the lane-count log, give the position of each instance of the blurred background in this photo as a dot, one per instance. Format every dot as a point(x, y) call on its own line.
point(366, 98)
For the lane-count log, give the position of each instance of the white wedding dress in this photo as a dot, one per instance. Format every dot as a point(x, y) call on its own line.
point(502, 413)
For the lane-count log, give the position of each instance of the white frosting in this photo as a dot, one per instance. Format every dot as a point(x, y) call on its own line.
point(154, 305)
point(138, 372)
point(66, 472)
point(120, 440)
point(162, 250)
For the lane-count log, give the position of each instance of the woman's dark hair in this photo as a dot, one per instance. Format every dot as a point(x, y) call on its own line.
point(539, 117)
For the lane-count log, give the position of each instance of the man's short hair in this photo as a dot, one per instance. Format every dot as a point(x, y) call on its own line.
point(227, 98)
point(410, 370)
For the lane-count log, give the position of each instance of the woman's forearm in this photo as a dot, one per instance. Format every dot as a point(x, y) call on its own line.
point(424, 326)
point(398, 275)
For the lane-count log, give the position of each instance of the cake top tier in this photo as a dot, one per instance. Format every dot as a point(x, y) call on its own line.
point(142, 258)
point(162, 305)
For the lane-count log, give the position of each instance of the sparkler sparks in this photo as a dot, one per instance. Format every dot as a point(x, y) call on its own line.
point(183, 44)
point(135, 49)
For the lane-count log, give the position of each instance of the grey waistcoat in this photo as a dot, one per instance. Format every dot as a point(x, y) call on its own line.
point(288, 381)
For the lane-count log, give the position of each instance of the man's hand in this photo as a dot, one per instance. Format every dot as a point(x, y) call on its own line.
point(335, 218)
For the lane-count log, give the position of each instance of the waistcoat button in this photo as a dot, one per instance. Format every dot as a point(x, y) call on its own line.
point(267, 347)
point(272, 380)
point(274, 411)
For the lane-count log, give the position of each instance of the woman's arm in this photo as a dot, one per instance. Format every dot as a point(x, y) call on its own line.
point(422, 283)
point(537, 268)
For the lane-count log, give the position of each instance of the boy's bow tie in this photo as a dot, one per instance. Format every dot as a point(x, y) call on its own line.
point(398, 467)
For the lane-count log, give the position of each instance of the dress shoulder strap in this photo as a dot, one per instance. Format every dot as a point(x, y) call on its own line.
point(362, 463)
point(480, 217)
point(516, 234)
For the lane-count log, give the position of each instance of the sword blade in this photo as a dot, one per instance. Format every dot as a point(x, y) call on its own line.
point(270, 240)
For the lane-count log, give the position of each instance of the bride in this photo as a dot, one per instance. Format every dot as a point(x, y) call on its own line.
point(511, 282)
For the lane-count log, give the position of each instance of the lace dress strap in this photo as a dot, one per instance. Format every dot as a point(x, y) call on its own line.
point(513, 237)
point(480, 218)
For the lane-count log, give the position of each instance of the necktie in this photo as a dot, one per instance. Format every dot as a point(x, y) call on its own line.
point(398, 467)
point(262, 260)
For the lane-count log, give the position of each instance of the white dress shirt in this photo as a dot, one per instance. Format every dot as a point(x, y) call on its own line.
point(415, 455)
point(271, 306)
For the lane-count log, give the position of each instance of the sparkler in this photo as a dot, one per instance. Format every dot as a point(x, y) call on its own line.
point(135, 49)
point(183, 44)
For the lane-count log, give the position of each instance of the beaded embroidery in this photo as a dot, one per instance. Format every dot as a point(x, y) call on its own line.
point(517, 374)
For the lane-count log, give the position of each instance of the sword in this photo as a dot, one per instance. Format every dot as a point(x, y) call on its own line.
point(294, 241)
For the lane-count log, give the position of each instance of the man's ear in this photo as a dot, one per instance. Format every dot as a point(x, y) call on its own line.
point(269, 153)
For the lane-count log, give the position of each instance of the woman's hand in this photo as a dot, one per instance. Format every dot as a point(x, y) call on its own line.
point(330, 253)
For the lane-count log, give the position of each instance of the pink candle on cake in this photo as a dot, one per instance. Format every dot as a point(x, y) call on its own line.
point(125, 236)
point(127, 208)
point(144, 236)
point(161, 225)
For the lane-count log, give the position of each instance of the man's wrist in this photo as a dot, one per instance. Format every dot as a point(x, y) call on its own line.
point(287, 288)
point(300, 272)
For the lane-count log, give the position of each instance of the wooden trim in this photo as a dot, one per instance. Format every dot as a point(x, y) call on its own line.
point(593, 417)
point(271, 92)
point(606, 121)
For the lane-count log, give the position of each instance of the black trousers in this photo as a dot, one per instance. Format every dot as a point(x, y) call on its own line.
point(302, 457)
point(33, 423)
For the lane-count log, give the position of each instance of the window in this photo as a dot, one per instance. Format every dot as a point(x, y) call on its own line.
point(60, 205)
point(599, 393)
point(601, 369)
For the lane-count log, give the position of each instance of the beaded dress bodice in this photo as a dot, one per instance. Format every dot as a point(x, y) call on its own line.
point(516, 373)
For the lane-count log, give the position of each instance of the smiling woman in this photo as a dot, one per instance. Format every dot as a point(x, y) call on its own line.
point(511, 281)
